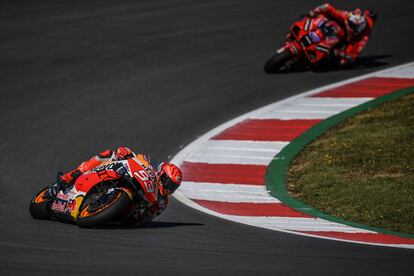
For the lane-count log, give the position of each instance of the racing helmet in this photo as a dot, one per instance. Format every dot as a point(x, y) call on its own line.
point(169, 178)
point(357, 21)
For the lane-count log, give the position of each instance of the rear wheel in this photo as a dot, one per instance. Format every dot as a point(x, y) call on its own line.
point(99, 208)
point(277, 61)
point(39, 206)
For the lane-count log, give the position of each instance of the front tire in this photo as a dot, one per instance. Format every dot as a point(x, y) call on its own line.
point(39, 206)
point(95, 213)
point(277, 61)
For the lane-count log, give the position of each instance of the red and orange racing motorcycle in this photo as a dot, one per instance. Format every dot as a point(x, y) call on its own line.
point(109, 192)
point(303, 45)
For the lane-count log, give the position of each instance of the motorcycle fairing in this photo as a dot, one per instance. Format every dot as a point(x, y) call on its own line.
point(309, 33)
point(143, 172)
point(67, 203)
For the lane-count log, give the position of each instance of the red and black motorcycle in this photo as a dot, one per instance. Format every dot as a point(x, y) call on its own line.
point(303, 44)
point(108, 192)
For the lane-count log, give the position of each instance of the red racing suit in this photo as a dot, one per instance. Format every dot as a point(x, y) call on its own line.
point(353, 43)
point(155, 203)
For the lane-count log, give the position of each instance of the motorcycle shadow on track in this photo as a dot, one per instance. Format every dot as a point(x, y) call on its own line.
point(363, 62)
point(153, 224)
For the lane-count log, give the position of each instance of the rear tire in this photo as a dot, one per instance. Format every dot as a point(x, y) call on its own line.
point(90, 215)
point(39, 206)
point(277, 61)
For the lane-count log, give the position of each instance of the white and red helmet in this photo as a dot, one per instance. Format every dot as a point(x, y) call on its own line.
point(357, 21)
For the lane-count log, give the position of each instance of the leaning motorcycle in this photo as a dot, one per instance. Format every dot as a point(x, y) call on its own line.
point(109, 192)
point(302, 46)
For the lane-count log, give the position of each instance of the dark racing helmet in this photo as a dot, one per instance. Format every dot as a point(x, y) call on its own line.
point(357, 21)
point(169, 178)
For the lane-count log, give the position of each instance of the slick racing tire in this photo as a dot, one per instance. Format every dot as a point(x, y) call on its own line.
point(98, 211)
point(39, 206)
point(277, 62)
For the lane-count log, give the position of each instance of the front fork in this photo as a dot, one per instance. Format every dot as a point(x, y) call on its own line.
point(294, 48)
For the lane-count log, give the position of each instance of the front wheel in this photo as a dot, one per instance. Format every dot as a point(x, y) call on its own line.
point(39, 206)
point(277, 61)
point(103, 208)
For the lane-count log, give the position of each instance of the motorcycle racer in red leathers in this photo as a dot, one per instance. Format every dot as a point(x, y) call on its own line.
point(357, 25)
point(166, 178)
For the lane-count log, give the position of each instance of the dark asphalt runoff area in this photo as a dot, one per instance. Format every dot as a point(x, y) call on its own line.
point(78, 77)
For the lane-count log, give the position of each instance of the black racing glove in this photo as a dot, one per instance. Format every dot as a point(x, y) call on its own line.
point(60, 183)
point(75, 175)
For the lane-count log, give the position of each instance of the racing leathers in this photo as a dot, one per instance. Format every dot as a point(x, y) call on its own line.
point(153, 203)
point(353, 42)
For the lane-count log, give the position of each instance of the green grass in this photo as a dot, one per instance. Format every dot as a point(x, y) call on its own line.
point(363, 169)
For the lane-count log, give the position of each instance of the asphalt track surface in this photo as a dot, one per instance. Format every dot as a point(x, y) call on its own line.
point(79, 77)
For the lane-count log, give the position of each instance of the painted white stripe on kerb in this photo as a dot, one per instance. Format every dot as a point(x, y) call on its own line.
point(227, 192)
point(291, 115)
point(335, 102)
point(236, 152)
point(311, 108)
point(406, 71)
point(298, 224)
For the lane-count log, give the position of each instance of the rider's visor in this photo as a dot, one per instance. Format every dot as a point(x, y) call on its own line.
point(168, 184)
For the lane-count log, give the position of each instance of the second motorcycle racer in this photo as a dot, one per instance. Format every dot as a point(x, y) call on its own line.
point(325, 34)
point(357, 25)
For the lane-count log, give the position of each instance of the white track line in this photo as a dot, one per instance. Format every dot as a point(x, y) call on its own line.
point(236, 152)
point(227, 192)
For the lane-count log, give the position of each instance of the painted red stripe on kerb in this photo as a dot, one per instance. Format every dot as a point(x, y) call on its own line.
point(364, 237)
point(367, 88)
point(251, 209)
point(223, 173)
point(266, 130)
